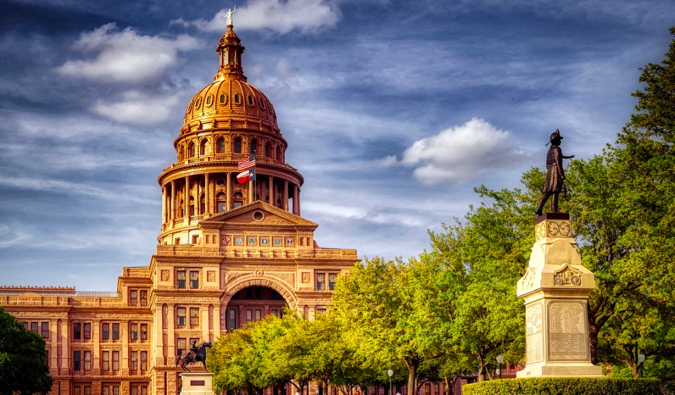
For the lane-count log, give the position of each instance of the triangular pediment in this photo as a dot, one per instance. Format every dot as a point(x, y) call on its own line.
point(257, 214)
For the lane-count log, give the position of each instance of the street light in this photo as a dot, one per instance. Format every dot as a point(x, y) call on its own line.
point(500, 359)
point(390, 373)
point(641, 361)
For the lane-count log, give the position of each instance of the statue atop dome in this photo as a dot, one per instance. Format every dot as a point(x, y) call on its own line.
point(228, 16)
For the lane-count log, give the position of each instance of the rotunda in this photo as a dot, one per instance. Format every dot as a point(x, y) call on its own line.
point(225, 122)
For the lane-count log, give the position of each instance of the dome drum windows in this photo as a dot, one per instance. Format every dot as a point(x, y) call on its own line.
point(209, 101)
point(191, 150)
point(253, 147)
point(237, 145)
point(237, 99)
point(223, 99)
point(262, 103)
point(220, 145)
point(198, 102)
point(251, 102)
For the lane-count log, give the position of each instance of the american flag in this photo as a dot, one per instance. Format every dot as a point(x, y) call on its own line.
point(247, 163)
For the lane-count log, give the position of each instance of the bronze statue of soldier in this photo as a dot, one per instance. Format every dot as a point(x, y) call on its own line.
point(555, 175)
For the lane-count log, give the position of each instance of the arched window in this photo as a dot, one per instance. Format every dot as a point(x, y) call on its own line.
point(202, 205)
point(238, 199)
point(192, 205)
point(220, 146)
point(221, 202)
point(181, 154)
point(180, 208)
point(202, 147)
point(253, 147)
point(267, 150)
point(237, 145)
point(191, 150)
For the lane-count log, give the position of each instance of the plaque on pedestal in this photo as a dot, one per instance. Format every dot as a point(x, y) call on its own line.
point(555, 290)
point(199, 383)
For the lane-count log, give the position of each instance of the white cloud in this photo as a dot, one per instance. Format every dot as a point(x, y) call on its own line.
point(137, 108)
point(275, 15)
point(125, 56)
point(459, 153)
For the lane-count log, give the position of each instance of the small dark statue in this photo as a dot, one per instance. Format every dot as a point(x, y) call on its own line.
point(195, 354)
point(555, 175)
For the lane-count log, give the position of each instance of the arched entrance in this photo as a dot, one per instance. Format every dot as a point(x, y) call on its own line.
point(251, 304)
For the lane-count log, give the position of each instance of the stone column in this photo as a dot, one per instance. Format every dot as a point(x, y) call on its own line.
point(65, 346)
point(171, 337)
point(158, 338)
point(228, 192)
point(124, 358)
point(53, 348)
point(205, 322)
point(555, 290)
point(173, 200)
point(296, 200)
point(186, 201)
point(163, 204)
point(271, 190)
point(216, 320)
point(207, 195)
point(96, 369)
point(285, 198)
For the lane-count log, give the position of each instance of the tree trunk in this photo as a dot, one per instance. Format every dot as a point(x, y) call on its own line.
point(481, 368)
point(593, 337)
point(412, 373)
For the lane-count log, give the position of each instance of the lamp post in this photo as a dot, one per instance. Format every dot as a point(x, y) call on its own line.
point(390, 373)
point(641, 361)
point(500, 359)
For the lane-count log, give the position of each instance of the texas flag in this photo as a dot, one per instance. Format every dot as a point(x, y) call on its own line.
point(244, 176)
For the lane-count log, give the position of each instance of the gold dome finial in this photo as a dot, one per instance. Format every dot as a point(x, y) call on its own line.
point(230, 50)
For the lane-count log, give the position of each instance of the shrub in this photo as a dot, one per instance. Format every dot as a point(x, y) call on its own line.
point(565, 386)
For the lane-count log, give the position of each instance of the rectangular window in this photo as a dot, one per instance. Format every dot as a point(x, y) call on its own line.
point(44, 330)
point(87, 390)
point(249, 316)
point(233, 319)
point(34, 326)
point(76, 361)
point(105, 361)
point(194, 316)
point(320, 281)
point(180, 277)
point(105, 331)
point(115, 361)
point(144, 331)
point(116, 390)
point(25, 325)
point(180, 316)
point(134, 331)
point(87, 330)
point(332, 278)
point(87, 360)
point(258, 315)
point(77, 331)
point(134, 390)
point(105, 390)
point(194, 279)
point(116, 331)
point(144, 360)
point(181, 345)
point(133, 297)
point(133, 361)
point(77, 390)
point(47, 357)
point(144, 298)
point(144, 390)
point(274, 312)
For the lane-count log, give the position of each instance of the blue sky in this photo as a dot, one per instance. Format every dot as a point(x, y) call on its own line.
point(393, 111)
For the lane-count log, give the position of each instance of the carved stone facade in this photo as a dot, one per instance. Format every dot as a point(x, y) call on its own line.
point(228, 254)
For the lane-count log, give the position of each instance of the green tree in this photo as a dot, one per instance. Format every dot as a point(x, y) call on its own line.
point(380, 301)
point(23, 369)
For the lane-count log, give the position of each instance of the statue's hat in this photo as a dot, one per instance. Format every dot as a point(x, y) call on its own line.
point(556, 135)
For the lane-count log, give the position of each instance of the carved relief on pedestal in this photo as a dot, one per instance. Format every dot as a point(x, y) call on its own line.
point(165, 275)
point(552, 228)
point(567, 275)
point(211, 276)
point(568, 337)
point(305, 277)
point(528, 280)
point(534, 333)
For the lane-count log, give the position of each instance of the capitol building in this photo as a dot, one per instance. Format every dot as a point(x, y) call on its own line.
point(228, 253)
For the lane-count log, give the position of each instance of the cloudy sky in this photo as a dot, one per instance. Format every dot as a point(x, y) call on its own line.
point(393, 111)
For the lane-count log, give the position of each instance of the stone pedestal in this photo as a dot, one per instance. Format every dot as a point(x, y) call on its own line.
point(198, 383)
point(555, 290)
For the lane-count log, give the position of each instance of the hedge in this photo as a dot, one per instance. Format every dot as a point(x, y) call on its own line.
point(565, 386)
